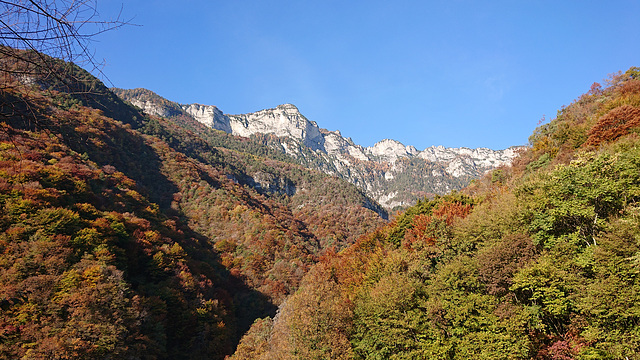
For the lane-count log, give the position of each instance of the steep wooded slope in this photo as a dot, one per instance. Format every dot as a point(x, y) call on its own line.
point(129, 236)
point(536, 261)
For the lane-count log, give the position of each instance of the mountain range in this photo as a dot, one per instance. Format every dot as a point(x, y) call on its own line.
point(391, 173)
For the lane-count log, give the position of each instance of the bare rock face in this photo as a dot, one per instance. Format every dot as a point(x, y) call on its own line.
point(209, 115)
point(287, 121)
point(284, 120)
point(390, 150)
point(335, 144)
point(151, 108)
point(460, 160)
point(270, 183)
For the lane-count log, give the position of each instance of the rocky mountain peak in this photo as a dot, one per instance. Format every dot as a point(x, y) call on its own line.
point(390, 150)
point(288, 108)
point(210, 116)
point(284, 120)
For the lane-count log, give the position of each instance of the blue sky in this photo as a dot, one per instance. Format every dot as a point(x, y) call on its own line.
point(452, 73)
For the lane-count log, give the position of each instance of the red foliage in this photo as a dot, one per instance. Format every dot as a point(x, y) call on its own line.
point(421, 231)
point(565, 347)
point(630, 87)
point(450, 211)
point(614, 124)
point(596, 89)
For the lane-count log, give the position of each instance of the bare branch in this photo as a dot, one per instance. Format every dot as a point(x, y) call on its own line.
point(35, 35)
point(61, 29)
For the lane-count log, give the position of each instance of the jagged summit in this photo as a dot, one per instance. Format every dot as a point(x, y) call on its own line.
point(209, 115)
point(284, 120)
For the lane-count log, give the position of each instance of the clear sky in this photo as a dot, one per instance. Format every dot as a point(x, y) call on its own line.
point(452, 73)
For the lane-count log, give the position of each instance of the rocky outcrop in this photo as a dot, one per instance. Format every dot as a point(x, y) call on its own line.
point(287, 121)
point(152, 108)
point(335, 144)
point(266, 182)
point(284, 120)
point(209, 115)
point(463, 161)
point(150, 102)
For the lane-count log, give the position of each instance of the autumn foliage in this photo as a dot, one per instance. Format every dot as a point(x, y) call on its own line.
point(138, 237)
point(614, 124)
point(425, 226)
point(125, 236)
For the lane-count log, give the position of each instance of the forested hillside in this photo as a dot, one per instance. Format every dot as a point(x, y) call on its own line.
point(536, 261)
point(130, 236)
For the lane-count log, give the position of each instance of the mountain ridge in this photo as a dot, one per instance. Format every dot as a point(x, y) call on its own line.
point(375, 169)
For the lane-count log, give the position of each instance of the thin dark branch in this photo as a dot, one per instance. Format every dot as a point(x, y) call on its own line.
point(34, 34)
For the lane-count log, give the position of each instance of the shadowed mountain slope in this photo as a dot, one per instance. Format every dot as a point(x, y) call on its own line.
point(128, 235)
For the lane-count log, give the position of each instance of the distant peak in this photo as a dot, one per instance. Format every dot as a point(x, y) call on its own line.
point(198, 105)
point(288, 107)
point(387, 142)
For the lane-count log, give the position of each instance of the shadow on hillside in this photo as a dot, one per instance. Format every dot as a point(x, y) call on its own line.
point(248, 304)
point(127, 151)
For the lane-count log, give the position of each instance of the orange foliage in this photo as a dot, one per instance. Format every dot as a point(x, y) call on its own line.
point(630, 87)
point(421, 231)
point(614, 124)
point(427, 228)
point(450, 211)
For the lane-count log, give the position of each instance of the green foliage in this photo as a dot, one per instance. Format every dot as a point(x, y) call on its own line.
point(542, 161)
point(578, 198)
